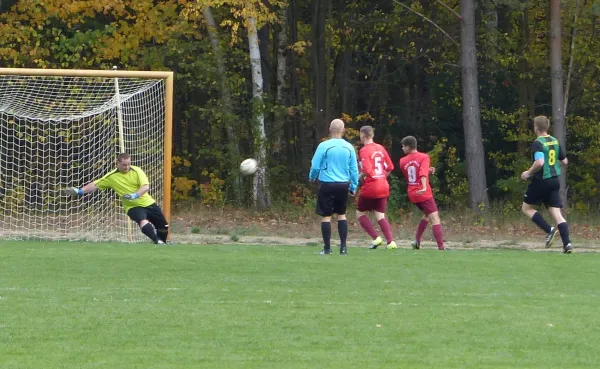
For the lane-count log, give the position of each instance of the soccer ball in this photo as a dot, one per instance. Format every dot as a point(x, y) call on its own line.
point(248, 167)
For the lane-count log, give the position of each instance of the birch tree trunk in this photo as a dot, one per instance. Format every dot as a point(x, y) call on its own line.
point(475, 155)
point(260, 193)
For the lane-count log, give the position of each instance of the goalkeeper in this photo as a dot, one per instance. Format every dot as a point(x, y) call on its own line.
point(132, 185)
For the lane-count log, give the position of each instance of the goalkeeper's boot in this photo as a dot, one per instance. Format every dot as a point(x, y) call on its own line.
point(343, 250)
point(415, 244)
point(375, 243)
point(568, 249)
point(551, 236)
point(159, 242)
point(392, 245)
point(325, 251)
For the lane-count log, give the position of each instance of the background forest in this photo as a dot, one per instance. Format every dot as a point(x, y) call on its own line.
point(264, 79)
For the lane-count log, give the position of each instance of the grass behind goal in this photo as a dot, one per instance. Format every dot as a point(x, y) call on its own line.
point(80, 305)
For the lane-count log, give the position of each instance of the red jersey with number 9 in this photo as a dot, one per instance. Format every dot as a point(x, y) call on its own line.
point(414, 166)
point(375, 163)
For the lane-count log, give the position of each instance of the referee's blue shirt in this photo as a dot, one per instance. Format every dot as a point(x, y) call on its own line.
point(335, 161)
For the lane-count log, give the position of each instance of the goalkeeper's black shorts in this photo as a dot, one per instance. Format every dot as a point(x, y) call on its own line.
point(152, 213)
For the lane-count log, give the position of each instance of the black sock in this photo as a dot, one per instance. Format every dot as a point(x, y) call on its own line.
point(326, 232)
point(539, 220)
point(343, 231)
point(148, 230)
point(163, 234)
point(563, 228)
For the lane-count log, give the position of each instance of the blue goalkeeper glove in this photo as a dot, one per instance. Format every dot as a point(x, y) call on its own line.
point(131, 196)
point(73, 191)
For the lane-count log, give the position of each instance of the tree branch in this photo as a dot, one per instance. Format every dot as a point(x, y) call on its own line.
point(449, 8)
point(428, 20)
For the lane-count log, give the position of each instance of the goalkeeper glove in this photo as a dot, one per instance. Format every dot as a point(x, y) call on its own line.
point(73, 191)
point(131, 196)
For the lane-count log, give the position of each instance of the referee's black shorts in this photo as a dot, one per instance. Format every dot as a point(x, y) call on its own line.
point(332, 198)
point(152, 213)
point(544, 191)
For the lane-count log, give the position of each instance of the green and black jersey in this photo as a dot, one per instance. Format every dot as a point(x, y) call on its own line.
point(553, 154)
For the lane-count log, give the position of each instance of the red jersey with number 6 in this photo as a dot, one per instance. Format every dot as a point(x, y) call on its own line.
point(414, 166)
point(375, 163)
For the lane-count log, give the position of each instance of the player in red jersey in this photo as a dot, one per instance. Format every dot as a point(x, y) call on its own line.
point(415, 167)
point(375, 165)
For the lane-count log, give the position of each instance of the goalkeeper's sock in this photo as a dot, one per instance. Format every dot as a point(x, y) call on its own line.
point(162, 234)
point(148, 230)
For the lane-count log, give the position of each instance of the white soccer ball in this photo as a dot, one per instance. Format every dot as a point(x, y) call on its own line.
point(248, 167)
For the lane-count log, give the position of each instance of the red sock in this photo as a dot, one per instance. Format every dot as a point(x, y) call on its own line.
point(420, 229)
point(365, 223)
point(386, 229)
point(439, 235)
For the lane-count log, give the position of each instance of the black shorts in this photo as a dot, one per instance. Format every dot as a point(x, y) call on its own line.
point(332, 198)
point(151, 213)
point(544, 191)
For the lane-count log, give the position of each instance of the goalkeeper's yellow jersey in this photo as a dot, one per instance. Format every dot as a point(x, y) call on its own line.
point(125, 183)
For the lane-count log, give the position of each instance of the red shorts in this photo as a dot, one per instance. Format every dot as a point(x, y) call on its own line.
point(428, 206)
point(367, 204)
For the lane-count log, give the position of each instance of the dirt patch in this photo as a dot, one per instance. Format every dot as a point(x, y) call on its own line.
point(239, 226)
point(405, 244)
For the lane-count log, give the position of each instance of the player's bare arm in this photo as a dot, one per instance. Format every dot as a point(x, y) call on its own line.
point(142, 190)
point(137, 194)
point(423, 185)
point(535, 167)
point(565, 162)
point(80, 191)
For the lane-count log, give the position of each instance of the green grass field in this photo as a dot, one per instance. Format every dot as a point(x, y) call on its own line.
point(74, 305)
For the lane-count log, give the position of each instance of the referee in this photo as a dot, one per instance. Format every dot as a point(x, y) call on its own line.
point(334, 165)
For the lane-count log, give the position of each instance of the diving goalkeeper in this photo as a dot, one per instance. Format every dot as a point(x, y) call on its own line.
point(132, 185)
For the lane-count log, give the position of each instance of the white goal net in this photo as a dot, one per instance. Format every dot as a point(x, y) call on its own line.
point(62, 131)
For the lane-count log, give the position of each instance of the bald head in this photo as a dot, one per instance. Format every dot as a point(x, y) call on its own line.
point(336, 128)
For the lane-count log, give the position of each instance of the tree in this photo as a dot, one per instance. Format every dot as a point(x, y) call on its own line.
point(474, 152)
point(558, 113)
point(280, 96)
point(261, 195)
point(227, 105)
point(319, 67)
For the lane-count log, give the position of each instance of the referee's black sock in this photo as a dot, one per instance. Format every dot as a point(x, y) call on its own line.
point(148, 230)
point(563, 228)
point(343, 231)
point(326, 232)
point(539, 220)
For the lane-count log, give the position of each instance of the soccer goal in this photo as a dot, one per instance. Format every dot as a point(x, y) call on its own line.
point(61, 128)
